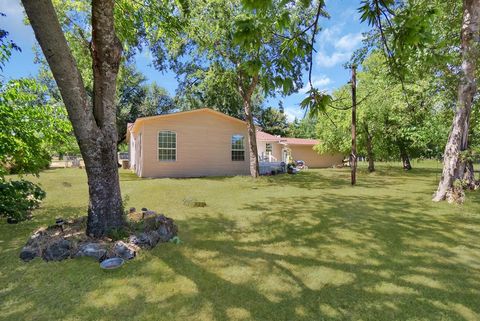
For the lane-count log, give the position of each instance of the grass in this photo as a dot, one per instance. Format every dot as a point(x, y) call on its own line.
point(303, 247)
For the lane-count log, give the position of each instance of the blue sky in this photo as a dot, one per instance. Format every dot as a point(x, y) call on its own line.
point(339, 37)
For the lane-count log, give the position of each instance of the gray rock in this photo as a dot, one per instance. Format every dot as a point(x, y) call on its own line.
point(28, 253)
point(57, 251)
point(145, 240)
point(95, 250)
point(123, 250)
point(36, 238)
point(164, 233)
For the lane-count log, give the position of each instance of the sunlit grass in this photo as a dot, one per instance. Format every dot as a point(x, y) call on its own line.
point(302, 247)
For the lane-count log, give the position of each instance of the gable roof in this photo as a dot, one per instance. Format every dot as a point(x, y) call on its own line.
point(262, 136)
point(300, 141)
point(266, 137)
point(194, 111)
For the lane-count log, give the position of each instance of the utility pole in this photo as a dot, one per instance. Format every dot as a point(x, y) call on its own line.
point(353, 154)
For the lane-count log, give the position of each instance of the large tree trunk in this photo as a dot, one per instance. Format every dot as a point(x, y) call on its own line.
point(371, 162)
point(252, 134)
point(452, 164)
point(94, 124)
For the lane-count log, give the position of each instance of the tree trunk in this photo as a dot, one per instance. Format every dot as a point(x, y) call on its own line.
point(252, 138)
point(371, 163)
point(94, 125)
point(353, 155)
point(469, 175)
point(252, 134)
point(466, 91)
point(405, 158)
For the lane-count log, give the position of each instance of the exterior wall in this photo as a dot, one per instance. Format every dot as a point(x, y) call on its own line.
point(131, 150)
point(203, 146)
point(276, 150)
point(138, 147)
point(312, 158)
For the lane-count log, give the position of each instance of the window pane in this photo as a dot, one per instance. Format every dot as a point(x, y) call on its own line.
point(268, 147)
point(238, 155)
point(237, 142)
point(238, 148)
point(167, 144)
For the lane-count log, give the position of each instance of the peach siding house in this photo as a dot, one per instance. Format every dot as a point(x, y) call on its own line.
point(204, 142)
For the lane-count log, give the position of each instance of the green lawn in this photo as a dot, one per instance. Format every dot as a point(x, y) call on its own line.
point(304, 247)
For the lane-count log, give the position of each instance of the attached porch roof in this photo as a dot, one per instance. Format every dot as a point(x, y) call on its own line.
point(266, 137)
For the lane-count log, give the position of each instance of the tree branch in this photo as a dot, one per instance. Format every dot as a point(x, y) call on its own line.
point(49, 34)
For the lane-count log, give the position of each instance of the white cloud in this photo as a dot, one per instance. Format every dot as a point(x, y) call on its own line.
point(328, 35)
point(337, 57)
point(320, 82)
point(293, 112)
point(349, 42)
point(335, 47)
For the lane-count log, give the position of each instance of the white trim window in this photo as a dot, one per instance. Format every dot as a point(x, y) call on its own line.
point(238, 148)
point(167, 146)
point(268, 148)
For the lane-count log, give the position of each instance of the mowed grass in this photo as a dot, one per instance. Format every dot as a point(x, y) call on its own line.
point(302, 247)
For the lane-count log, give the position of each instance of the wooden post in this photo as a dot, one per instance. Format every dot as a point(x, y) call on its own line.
point(353, 155)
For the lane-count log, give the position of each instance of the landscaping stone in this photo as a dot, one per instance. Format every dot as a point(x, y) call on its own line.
point(166, 228)
point(36, 239)
point(56, 244)
point(123, 250)
point(165, 233)
point(146, 239)
point(57, 251)
point(28, 253)
point(95, 250)
point(150, 213)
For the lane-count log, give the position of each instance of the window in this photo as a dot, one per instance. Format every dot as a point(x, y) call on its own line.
point(238, 148)
point(167, 146)
point(268, 148)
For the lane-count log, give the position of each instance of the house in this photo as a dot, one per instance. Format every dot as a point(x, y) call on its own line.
point(285, 149)
point(205, 142)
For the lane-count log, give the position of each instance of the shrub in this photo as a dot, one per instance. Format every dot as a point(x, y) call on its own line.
point(117, 234)
point(19, 198)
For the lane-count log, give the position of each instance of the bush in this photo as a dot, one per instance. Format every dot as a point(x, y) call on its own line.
point(19, 198)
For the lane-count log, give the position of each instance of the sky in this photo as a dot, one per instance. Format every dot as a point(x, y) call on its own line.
point(340, 35)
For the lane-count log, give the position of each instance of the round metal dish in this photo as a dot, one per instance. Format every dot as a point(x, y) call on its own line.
point(111, 264)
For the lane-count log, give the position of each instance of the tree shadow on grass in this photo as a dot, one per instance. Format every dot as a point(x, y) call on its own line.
point(311, 257)
point(342, 258)
point(361, 260)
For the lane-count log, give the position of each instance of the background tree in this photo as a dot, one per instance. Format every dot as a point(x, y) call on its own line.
point(389, 128)
point(272, 121)
point(31, 127)
point(424, 34)
point(304, 128)
point(136, 98)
